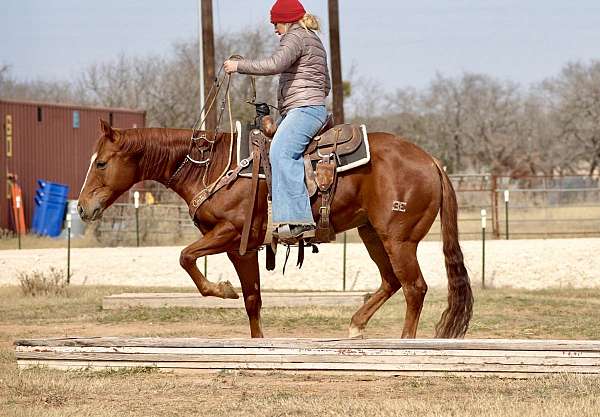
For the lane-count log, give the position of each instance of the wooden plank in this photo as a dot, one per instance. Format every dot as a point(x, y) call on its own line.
point(434, 344)
point(321, 366)
point(502, 356)
point(315, 351)
point(285, 358)
point(195, 300)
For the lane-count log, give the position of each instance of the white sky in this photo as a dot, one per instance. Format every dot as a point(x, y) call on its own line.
point(399, 43)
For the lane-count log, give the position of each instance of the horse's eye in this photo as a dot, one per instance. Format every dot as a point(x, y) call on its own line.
point(100, 165)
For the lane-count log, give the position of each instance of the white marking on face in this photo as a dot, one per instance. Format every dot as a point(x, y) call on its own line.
point(399, 206)
point(94, 156)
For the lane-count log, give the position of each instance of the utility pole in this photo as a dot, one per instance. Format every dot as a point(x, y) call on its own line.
point(207, 57)
point(336, 62)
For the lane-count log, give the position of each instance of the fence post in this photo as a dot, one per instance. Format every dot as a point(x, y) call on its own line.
point(483, 225)
point(506, 196)
point(69, 219)
point(344, 265)
point(495, 220)
point(136, 204)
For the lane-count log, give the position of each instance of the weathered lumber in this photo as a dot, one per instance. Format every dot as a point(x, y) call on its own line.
point(398, 357)
point(504, 344)
point(195, 300)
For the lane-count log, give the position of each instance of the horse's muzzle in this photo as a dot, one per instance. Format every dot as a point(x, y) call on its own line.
point(86, 217)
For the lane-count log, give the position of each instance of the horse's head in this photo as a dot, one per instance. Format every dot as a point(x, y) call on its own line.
point(112, 171)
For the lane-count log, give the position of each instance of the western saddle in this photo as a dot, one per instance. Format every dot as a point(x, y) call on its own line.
point(321, 159)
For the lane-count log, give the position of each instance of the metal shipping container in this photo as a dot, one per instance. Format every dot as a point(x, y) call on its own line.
point(53, 142)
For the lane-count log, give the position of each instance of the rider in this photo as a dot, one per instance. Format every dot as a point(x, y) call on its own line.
point(303, 86)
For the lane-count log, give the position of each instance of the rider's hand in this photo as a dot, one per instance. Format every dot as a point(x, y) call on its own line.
point(230, 66)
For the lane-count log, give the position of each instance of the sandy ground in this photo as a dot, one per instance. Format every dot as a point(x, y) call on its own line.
point(531, 264)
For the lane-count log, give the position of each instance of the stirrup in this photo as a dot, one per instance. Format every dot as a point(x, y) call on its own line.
point(284, 232)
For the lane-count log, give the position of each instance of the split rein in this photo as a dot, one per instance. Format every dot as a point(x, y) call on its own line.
point(227, 175)
point(203, 137)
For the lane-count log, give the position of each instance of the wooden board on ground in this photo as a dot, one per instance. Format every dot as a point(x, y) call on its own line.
point(503, 357)
point(196, 300)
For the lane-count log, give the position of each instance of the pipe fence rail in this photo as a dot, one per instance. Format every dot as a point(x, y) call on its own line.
point(526, 207)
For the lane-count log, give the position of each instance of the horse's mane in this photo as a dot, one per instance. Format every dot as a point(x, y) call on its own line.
point(159, 147)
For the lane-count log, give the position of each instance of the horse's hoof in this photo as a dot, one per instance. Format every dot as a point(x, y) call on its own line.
point(355, 333)
point(227, 290)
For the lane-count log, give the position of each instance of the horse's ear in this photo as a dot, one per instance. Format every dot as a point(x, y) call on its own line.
point(106, 130)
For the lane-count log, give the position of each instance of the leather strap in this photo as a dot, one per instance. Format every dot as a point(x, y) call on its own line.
point(206, 193)
point(252, 200)
point(309, 177)
point(326, 190)
point(264, 144)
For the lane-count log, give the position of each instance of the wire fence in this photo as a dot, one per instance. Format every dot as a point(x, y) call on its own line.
point(525, 207)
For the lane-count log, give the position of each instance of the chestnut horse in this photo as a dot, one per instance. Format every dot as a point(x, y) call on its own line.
point(393, 201)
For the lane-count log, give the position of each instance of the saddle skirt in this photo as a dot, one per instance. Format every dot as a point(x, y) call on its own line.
point(352, 149)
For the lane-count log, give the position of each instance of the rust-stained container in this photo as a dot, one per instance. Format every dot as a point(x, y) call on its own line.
point(52, 142)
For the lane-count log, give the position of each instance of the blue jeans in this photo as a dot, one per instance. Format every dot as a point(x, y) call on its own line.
point(291, 203)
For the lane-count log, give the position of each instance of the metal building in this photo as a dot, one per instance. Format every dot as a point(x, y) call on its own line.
point(53, 142)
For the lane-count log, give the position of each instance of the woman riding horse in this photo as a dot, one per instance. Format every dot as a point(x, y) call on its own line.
point(392, 201)
point(303, 86)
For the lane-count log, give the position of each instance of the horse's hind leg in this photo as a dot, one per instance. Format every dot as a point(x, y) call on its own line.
point(403, 256)
point(389, 282)
point(249, 274)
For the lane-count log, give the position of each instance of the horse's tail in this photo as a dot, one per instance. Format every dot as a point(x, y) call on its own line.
point(455, 319)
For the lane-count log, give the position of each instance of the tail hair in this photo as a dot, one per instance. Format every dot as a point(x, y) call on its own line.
point(455, 319)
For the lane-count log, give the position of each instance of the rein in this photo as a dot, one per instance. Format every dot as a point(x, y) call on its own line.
point(227, 175)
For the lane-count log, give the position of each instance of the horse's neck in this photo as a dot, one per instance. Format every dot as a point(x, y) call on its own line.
point(189, 180)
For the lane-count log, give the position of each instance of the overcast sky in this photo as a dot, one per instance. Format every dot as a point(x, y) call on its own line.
point(400, 43)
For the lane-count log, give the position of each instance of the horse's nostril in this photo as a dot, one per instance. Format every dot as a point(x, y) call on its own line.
point(80, 210)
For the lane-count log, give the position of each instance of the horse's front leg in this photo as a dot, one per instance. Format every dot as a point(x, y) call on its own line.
point(249, 274)
point(215, 241)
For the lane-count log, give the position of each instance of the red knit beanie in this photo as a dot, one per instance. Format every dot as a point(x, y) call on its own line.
point(287, 11)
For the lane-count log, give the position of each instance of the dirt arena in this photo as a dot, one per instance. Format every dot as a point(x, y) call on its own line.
point(528, 264)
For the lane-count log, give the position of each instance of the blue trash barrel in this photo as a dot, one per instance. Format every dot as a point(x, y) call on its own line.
point(50, 205)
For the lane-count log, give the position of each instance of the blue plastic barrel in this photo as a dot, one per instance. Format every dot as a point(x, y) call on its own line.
point(49, 208)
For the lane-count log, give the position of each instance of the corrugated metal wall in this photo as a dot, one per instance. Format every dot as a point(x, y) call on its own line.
point(46, 144)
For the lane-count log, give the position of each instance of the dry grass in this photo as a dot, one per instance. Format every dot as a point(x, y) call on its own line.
point(36, 283)
point(40, 392)
point(498, 313)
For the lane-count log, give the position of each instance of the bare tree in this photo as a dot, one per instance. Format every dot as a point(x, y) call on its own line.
point(38, 90)
point(168, 87)
point(575, 100)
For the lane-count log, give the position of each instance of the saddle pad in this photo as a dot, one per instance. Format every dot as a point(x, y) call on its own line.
point(355, 159)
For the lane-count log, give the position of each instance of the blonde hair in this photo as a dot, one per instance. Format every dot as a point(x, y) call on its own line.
point(310, 21)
